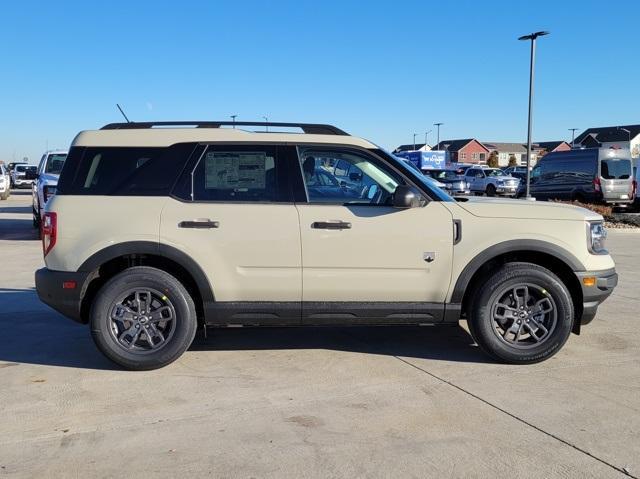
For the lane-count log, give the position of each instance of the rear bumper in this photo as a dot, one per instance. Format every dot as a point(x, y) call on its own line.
point(51, 291)
point(593, 296)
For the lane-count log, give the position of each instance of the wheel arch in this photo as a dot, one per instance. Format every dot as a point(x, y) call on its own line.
point(558, 260)
point(106, 263)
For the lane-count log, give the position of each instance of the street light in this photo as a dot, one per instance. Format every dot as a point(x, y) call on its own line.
point(628, 133)
point(233, 117)
point(425, 138)
point(438, 140)
point(531, 37)
point(573, 136)
point(266, 120)
point(414, 141)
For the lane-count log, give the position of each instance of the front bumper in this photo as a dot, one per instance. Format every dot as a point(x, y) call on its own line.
point(507, 190)
point(50, 286)
point(593, 296)
point(19, 183)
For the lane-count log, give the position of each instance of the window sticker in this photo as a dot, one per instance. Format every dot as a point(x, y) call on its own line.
point(235, 170)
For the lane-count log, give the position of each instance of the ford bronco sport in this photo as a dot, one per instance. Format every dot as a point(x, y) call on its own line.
point(157, 229)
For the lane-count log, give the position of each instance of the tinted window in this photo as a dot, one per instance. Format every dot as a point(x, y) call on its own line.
point(55, 162)
point(249, 173)
point(615, 169)
point(123, 171)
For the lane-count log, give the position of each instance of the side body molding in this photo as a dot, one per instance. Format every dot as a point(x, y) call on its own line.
point(511, 247)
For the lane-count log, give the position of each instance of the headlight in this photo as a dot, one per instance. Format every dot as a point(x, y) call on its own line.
point(596, 237)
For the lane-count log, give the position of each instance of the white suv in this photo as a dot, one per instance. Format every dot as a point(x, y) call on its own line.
point(155, 232)
point(46, 181)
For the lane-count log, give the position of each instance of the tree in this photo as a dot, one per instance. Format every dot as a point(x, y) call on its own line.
point(512, 160)
point(492, 161)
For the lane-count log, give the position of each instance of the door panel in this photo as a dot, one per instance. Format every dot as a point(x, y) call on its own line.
point(381, 257)
point(252, 255)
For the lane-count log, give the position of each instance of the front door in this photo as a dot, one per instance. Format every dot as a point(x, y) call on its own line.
point(362, 259)
point(235, 217)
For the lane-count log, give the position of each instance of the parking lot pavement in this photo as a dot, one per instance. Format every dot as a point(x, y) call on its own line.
point(334, 402)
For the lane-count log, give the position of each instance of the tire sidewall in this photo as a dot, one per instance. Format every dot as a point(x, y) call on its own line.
point(185, 323)
point(481, 319)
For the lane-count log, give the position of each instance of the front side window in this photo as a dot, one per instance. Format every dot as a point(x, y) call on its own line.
point(236, 173)
point(355, 178)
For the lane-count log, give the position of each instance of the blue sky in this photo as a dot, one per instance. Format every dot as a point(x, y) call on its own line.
point(381, 70)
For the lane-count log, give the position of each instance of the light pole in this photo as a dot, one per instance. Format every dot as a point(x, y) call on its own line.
point(531, 37)
point(438, 136)
point(628, 133)
point(233, 117)
point(425, 138)
point(573, 136)
point(266, 120)
point(414, 141)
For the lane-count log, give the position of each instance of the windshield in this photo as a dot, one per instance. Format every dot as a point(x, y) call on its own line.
point(434, 192)
point(615, 169)
point(55, 163)
point(495, 172)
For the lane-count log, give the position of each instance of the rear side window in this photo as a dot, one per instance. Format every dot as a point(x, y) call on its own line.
point(123, 171)
point(615, 169)
point(55, 162)
point(237, 173)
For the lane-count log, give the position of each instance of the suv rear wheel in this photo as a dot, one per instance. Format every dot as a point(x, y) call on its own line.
point(143, 318)
point(521, 314)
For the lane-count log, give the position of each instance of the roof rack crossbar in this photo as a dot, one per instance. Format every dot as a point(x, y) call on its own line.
point(309, 128)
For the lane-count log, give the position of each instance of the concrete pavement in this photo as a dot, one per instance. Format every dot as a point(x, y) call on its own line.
point(333, 402)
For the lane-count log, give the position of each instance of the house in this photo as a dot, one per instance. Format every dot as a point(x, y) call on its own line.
point(412, 147)
point(505, 151)
point(550, 146)
point(468, 150)
point(626, 136)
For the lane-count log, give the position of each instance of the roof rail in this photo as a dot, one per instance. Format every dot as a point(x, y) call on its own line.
point(310, 128)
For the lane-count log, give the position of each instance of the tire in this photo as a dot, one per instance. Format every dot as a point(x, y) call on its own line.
point(491, 190)
point(546, 292)
point(127, 342)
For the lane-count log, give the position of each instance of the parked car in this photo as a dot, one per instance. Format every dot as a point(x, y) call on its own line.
point(13, 164)
point(454, 182)
point(491, 181)
point(5, 183)
point(46, 181)
point(22, 175)
point(515, 170)
point(589, 175)
point(429, 178)
point(154, 232)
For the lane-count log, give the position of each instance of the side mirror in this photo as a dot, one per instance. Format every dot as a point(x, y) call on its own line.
point(406, 197)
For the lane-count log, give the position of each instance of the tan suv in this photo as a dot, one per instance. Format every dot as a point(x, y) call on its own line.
point(160, 228)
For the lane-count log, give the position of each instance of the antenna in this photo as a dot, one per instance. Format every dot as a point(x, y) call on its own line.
point(125, 116)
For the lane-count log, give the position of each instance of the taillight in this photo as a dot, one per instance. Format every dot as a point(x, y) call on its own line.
point(49, 232)
point(596, 184)
point(48, 192)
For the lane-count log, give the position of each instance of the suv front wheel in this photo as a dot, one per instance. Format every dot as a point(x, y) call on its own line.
point(143, 318)
point(521, 314)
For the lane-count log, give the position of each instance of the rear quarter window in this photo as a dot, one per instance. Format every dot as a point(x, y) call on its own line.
point(123, 171)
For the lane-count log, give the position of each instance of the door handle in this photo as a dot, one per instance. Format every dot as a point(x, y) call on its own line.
point(199, 224)
point(331, 225)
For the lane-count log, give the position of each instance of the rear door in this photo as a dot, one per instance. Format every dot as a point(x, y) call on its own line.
point(616, 178)
point(233, 213)
point(362, 259)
